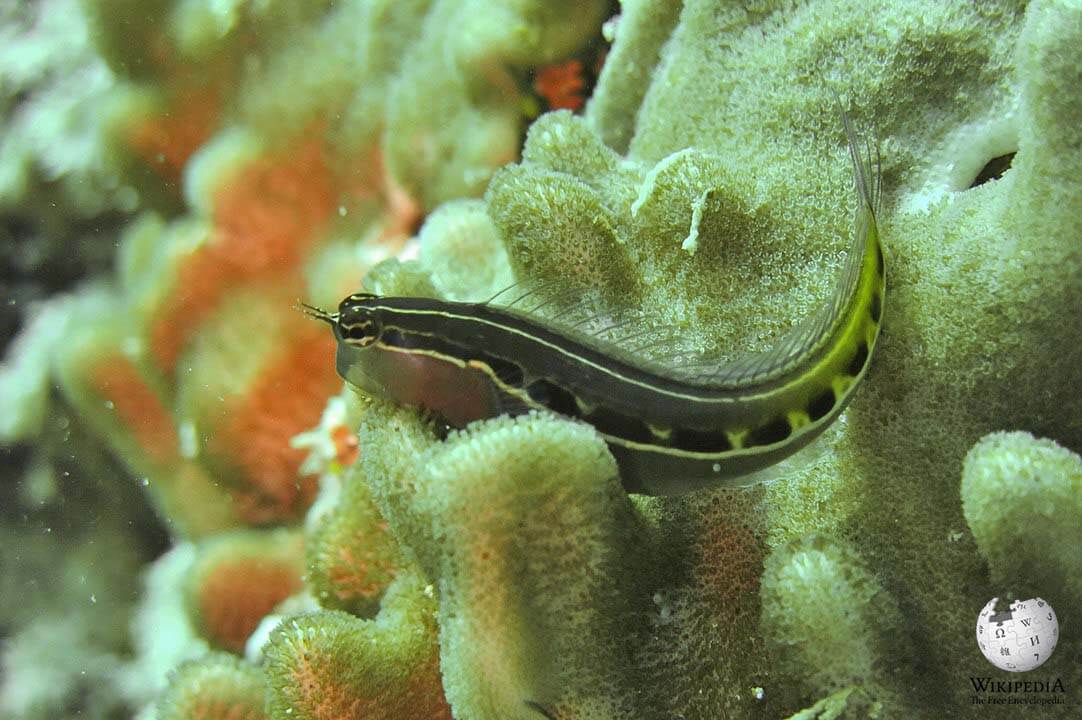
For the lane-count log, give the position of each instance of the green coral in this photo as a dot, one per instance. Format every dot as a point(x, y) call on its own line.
point(707, 186)
point(834, 634)
point(643, 27)
point(455, 110)
point(219, 685)
point(462, 251)
point(322, 665)
point(1021, 496)
point(974, 338)
point(519, 566)
point(352, 556)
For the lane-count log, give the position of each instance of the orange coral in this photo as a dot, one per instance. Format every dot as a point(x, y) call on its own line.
point(165, 141)
point(136, 406)
point(561, 85)
point(201, 280)
point(323, 667)
point(731, 561)
point(327, 699)
point(359, 569)
point(316, 687)
point(285, 399)
point(239, 580)
point(236, 596)
point(273, 210)
point(192, 107)
point(352, 555)
point(265, 219)
point(347, 448)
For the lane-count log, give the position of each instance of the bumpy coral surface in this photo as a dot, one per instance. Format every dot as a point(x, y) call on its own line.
point(1018, 495)
point(858, 567)
point(501, 571)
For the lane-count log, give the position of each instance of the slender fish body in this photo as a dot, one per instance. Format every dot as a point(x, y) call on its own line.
point(671, 431)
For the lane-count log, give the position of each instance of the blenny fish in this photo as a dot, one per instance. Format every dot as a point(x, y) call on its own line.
point(670, 431)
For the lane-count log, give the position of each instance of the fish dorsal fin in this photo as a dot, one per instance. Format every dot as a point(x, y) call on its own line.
point(630, 336)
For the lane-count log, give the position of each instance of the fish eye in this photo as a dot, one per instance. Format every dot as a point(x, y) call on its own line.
point(362, 333)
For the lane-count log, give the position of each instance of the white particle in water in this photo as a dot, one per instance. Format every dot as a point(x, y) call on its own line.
point(189, 440)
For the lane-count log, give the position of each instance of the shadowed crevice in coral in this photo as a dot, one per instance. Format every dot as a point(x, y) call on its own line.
point(993, 169)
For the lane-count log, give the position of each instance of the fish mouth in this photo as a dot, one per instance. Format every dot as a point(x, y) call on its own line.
point(350, 363)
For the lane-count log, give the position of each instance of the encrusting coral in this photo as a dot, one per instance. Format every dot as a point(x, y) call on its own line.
point(276, 152)
point(217, 686)
point(321, 665)
point(501, 571)
point(973, 342)
point(352, 555)
point(239, 577)
point(1019, 495)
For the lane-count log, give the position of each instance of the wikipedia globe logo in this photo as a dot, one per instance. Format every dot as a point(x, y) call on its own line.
point(1019, 638)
